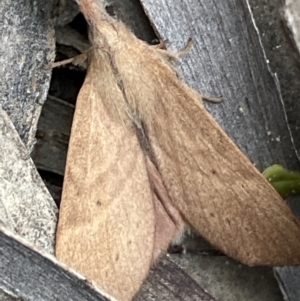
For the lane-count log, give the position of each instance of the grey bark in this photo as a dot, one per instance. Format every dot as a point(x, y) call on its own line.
point(291, 18)
point(67, 10)
point(277, 42)
point(167, 282)
point(132, 14)
point(54, 128)
point(27, 46)
point(34, 275)
point(26, 207)
point(230, 63)
point(289, 277)
point(31, 274)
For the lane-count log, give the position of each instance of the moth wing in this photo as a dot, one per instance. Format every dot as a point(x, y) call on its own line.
point(106, 224)
point(212, 183)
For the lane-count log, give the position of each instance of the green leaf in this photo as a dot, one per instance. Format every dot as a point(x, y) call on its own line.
point(286, 182)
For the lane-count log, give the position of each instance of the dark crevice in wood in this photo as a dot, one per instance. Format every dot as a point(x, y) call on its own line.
point(79, 23)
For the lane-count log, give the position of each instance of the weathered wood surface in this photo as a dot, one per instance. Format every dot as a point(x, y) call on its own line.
point(229, 280)
point(67, 10)
point(278, 26)
point(289, 277)
point(270, 22)
point(35, 275)
point(54, 128)
point(27, 45)
point(166, 282)
point(230, 63)
point(291, 17)
point(69, 37)
point(133, 15)
point(26, 207)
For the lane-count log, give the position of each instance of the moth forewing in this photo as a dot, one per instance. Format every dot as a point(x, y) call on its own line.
point(107, 222)
point(218, 191)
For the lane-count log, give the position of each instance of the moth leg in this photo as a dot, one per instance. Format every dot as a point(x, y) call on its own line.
point(169, 223)
point(161, 45)
point(76, 60)
point(161, 49)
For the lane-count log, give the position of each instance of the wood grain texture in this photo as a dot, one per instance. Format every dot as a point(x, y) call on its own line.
point(67, 11)
point(68, 36)
point(26, 207)
point(132, 14)
point(288, 280)
point(27, 45)
point(53, 134)
point(227, 280)
point(167, 282)
point(22, 271)
point(292, 21)
point(283, 59)
point(274, 22)
point(230, 63)
point(32, 274)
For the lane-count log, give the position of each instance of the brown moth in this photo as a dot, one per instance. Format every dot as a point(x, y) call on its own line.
point(144, 158)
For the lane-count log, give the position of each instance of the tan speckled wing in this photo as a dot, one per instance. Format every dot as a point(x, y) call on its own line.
point(215, 187)
point(106, 224)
